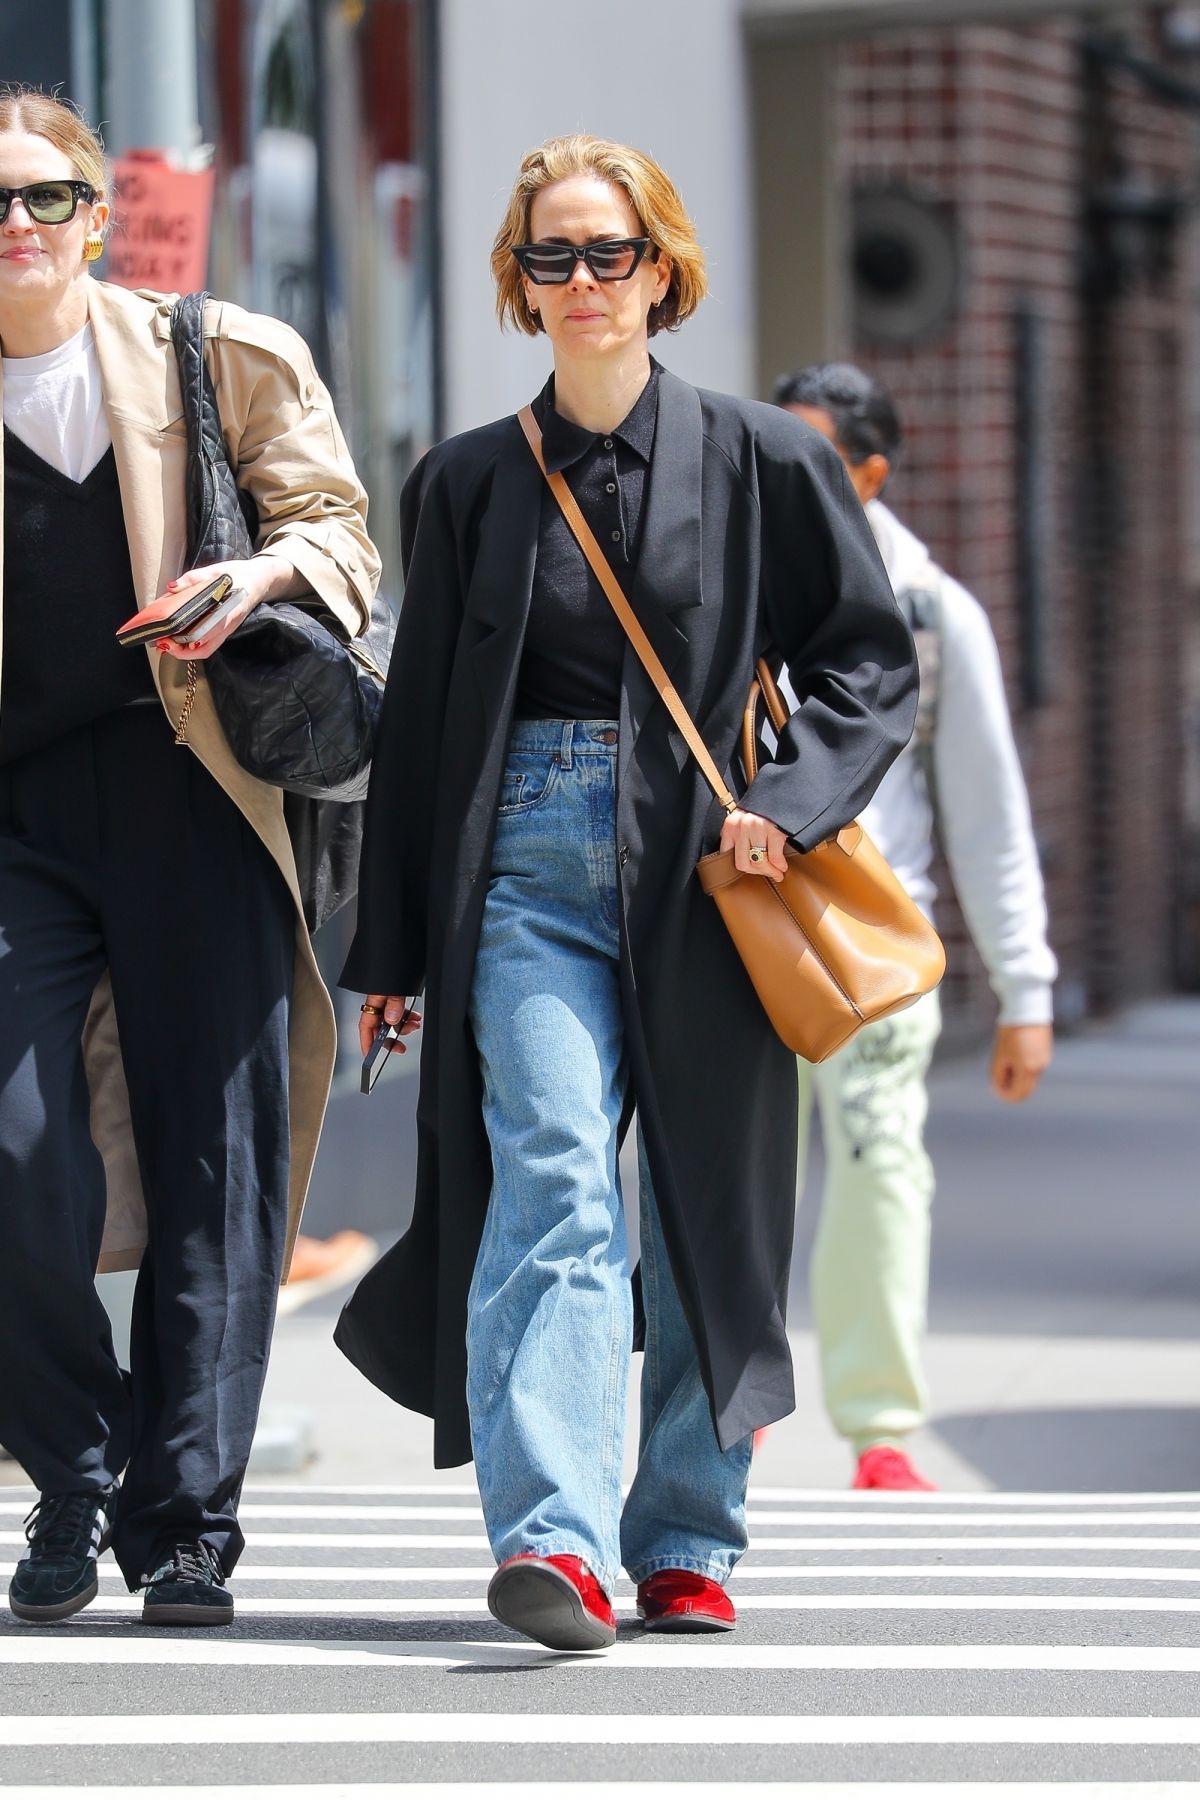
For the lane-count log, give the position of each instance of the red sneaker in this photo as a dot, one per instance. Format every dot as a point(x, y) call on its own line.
point(677, 1600)
point(883, 1466)
point(556, 1600)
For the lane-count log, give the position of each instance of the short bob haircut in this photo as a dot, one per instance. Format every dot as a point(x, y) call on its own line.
point(44, 115)
point(654, 198)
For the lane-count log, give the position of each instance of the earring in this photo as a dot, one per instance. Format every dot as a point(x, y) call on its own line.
point(93, 247)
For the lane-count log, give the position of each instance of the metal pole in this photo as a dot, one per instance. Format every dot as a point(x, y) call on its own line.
point(431, 78)
point(84, 87)
point(1101, 558)
point(151, 102)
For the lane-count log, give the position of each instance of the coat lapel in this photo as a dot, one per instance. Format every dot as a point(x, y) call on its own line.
point(1, 517)
point(669, 575)
point(502, 580)
point(145, 412)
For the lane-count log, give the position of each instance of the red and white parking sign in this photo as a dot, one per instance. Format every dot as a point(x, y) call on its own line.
point(161, 220)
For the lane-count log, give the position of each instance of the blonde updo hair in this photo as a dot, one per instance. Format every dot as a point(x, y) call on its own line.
point(46, 116)
point(654, 198)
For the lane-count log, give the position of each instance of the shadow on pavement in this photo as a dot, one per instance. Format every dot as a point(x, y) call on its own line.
point(1101, 1449)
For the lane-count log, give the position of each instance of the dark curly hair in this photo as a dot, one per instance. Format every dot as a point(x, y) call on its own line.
point(862, 410)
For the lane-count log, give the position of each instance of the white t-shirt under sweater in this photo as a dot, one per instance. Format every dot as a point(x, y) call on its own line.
point(55, 404)
point(983, 807)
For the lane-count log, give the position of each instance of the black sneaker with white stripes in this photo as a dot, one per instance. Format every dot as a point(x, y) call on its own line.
point(57, 1575)
point(187, 1588)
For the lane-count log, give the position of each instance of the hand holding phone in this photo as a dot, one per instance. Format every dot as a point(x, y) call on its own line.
point(386, 1039)
point(211, 621)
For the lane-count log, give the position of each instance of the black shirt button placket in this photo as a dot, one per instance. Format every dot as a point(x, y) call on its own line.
point(612, 488)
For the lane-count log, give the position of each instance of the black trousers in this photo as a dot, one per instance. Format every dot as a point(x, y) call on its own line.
point(117, 849)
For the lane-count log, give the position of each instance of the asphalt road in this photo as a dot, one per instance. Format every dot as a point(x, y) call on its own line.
point(1076, 1213)
point(958, 1639)
point(1065, 1293)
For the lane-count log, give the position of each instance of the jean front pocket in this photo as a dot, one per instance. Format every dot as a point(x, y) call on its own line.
point(529, 777)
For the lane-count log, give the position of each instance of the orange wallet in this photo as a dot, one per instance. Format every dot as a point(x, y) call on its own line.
point(167, 617)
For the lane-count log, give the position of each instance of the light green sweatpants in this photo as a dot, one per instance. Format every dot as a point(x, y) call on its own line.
point(870, 1266)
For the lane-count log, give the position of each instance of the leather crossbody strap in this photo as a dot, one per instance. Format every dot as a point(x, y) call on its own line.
point(602, 569)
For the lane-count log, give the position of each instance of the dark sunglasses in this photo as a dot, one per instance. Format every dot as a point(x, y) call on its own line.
point(613, 259)
point(47, 202)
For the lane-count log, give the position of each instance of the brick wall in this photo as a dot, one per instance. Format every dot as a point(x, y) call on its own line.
point(994, 122)
point(1143, 350)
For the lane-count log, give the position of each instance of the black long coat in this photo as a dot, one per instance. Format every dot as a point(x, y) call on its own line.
point(752, 537)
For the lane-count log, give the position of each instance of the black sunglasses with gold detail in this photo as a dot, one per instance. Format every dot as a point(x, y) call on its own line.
point(47, 202)
point(610, 259)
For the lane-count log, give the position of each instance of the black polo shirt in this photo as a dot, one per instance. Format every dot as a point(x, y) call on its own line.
point(574, 643)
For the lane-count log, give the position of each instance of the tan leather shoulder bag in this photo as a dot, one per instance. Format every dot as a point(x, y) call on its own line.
point(837, 943)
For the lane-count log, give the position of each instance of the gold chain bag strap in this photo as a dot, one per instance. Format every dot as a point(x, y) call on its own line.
point(837, 943)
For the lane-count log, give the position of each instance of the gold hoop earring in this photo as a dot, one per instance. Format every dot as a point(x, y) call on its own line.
point(93, 247)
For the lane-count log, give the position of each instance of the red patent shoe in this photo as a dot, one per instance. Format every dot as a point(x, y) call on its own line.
point(885, 1467)
point(556, 1600)
point(677, 1600)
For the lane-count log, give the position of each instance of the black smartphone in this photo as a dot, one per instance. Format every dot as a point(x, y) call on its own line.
point(376, 1059)
point(210, 620)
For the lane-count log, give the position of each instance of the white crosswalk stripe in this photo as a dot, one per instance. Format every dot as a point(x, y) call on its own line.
point(295, 1574)
point(252, 1510)
point(1009, 1627)
point(627, 1790)
point(594, 1729)
point(457, 1543)
point(227, 1651)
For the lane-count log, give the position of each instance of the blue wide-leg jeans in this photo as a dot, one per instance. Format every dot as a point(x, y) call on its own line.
point(550, 1322)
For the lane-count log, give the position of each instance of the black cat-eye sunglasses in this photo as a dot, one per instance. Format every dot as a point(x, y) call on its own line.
point(611, 259)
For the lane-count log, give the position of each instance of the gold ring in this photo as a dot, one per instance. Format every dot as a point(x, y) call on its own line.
point(758, 853)
point(367, 1007)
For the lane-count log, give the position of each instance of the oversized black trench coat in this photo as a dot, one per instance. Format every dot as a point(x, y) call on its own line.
point(752, 537)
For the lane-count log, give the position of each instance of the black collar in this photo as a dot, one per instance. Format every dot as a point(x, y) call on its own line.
point(563, 442)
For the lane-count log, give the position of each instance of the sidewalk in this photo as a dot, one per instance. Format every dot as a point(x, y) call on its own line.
point(1065, 1306)
point(1065, 1316)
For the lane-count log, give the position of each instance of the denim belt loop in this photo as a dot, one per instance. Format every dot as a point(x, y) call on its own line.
point(567, 747)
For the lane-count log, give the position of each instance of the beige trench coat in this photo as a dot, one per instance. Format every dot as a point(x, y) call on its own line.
point(285, 442)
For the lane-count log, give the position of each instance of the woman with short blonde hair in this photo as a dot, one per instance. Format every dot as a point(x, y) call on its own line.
point(533, 827)
point(655, 200)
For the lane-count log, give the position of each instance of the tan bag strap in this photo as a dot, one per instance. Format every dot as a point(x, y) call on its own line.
point(763, 691)
point(602, 569)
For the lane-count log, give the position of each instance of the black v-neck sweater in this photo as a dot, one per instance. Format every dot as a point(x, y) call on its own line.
point(67, 586)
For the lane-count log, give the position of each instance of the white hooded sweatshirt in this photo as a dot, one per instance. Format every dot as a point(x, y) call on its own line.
point(983, 808)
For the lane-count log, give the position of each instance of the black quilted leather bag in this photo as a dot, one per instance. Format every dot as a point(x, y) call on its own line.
point(299, 702)
point(325, 831)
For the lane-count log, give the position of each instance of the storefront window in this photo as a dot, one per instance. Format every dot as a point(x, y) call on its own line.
point(320, 111)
